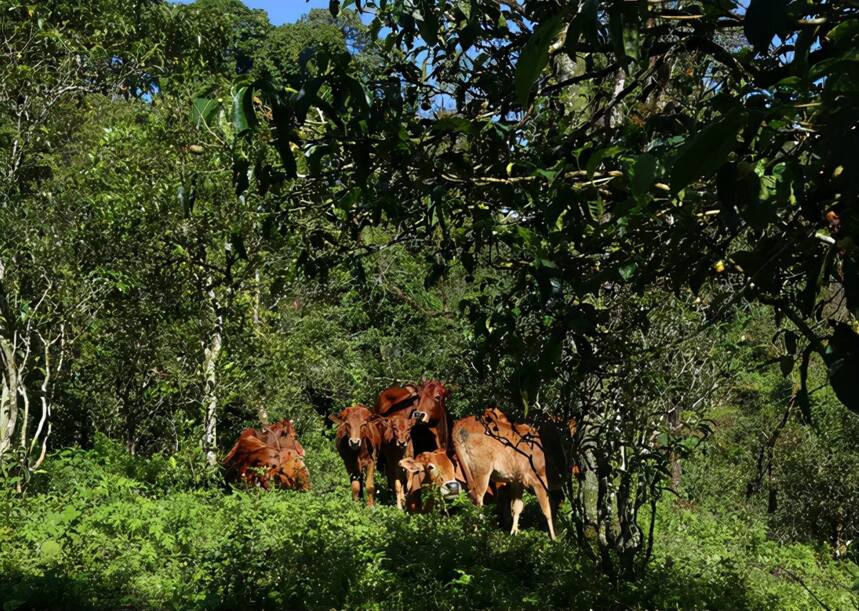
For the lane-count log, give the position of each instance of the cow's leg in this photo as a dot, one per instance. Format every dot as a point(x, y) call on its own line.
point(437, 438)
point(400, 484)
point(371, 483)
point(356, 486)
point(545, 506)
point(398, 490)
point(479, 486)
point(516, 504)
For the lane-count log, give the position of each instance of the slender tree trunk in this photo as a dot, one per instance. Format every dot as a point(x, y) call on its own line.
point(603, 514)
point(615, 117)
point(256, 298)
point(262, 410)
point(676, 469)
point(210, 396)
point(8, 395)
point(840, 539)
point(9, 386)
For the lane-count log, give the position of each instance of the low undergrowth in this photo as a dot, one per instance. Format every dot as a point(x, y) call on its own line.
point(92, 536)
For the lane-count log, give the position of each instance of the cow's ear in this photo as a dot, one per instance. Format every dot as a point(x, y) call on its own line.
point(335, 418)
point(410, 465)
point(379, 421)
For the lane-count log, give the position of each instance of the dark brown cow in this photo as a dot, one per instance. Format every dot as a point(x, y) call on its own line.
point(429, 469)
point(431, 412)
point(260, 461)
point(396, 398)
point(491, 448)
point(358, 441)
point(397, 445)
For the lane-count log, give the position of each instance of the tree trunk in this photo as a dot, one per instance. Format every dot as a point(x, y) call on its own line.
point(256, 298)
point(210, 395)
point(262, 411)
point(8, 395)
point(840, 539)
point(615, 116)
point(9, 386)
point(676, 469)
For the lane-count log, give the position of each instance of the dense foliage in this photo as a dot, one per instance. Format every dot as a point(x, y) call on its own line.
point(631, 220)
point(103, 533)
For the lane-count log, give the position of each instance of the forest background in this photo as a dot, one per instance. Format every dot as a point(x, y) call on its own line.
point(633, 216)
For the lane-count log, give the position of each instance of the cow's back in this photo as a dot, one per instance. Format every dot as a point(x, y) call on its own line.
point(512, 452)
point(395, 398)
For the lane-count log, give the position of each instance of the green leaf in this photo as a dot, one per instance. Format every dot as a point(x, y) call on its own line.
point(764, 19)
point(844, 33)
point(428, 27)
point(842, 358)
point(585, 23)
point(452, 123)
point(597, 158)
point(706, 151)
point(303, 99)
point(790, 342)
point(284, 133)
point(243, 110)
point(51, 550)
point(627, 270)
point(641, 172)
point(615, 29)
point(596, 209)
point(535, 56)
point(204, 111)
point(785, 363)
point(851, 282)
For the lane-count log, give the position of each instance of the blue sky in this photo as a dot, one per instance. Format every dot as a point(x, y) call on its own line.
point(285, 11)
point(282, 11)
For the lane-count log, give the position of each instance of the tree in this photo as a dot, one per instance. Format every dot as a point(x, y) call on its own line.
point(729, 176)
point(48, 67)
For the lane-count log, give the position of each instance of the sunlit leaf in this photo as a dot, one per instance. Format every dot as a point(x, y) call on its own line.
point(535, 56)
point(243, 110)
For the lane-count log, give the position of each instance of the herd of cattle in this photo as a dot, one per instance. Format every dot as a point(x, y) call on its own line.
point(409, 435)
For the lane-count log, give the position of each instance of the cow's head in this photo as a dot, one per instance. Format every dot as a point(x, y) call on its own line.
point(399, 429)
point(431, 469)
point(286, 437)
point(352, 423)
point(493, 413)
point(432, 394)
point(292, 473)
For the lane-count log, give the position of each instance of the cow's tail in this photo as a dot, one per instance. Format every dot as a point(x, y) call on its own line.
point(232, 453)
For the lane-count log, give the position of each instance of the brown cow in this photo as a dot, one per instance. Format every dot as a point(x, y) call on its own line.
point(256, 460)
point(494, 449)
point(396, 445)
point(283, 435)
point(429, 469)
point(396, 398)
point(358, 442)
point(432, 413)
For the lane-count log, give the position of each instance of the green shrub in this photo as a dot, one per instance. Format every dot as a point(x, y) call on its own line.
point(91, 536)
